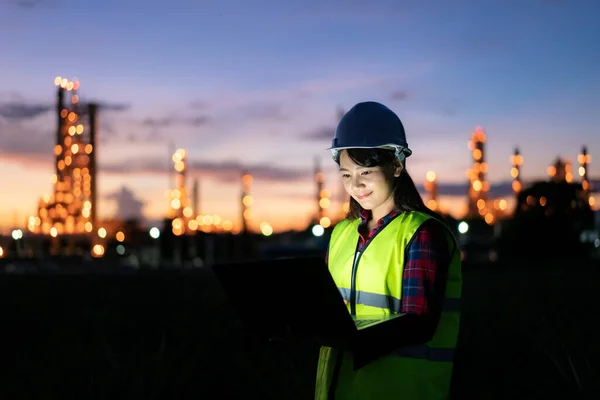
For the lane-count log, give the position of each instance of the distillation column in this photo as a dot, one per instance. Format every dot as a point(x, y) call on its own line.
point(432, 189)
point(72, 209)
point(516, 161)
point(247, 201)
point(478, 187)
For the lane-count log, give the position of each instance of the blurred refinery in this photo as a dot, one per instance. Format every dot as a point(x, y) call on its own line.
point(66, 223)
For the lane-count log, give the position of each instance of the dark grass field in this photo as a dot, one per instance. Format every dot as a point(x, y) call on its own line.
point(527, 333)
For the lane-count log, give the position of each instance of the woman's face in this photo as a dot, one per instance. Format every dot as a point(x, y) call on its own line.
point(371, 187)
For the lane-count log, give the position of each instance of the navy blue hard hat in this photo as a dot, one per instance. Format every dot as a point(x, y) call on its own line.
point(371, 125)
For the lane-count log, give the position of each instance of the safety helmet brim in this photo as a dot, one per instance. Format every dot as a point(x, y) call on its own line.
point(401, 152)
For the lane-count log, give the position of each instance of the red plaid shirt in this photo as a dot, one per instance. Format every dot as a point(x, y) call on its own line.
point(426, 261)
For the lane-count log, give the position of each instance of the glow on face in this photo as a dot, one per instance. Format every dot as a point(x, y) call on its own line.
point(371, 187)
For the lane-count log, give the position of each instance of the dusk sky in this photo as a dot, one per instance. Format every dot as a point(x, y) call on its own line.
point(255, 84)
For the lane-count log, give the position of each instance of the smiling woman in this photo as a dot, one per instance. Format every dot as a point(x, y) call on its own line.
point(391, 247)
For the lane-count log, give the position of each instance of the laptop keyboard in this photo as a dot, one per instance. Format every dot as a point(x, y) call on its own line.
point(362, 322)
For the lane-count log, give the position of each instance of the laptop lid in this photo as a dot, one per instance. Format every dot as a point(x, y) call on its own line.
point(296, 294)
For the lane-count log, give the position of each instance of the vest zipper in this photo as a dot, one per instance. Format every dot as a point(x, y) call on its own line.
point(357, 256)
point(353, 281)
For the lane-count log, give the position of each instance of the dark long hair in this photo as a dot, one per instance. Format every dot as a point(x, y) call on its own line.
point(406, 195)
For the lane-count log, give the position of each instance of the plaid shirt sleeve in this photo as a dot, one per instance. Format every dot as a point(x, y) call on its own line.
point(425, 270)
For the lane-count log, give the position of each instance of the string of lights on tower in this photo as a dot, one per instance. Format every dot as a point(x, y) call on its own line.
point(431, 187)
point(478, 187)
point(516, 161)
point(584, 160)
point(322, 196)
point(561, 171)
point(180, 209)
point(247, 201)
point(344, 196)
point(72, 208)
point(184, 211)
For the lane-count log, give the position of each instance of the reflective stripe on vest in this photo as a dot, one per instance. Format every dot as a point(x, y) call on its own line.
point(390, 302)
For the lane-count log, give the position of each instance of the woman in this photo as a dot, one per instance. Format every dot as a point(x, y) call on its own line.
point(390, 255)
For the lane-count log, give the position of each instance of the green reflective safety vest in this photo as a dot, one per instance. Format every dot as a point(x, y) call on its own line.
point(372, 281)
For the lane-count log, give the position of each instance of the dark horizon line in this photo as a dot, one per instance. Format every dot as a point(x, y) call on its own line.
point(499, 189)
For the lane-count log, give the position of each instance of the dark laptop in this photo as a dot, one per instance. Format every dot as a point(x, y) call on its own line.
point(297, 295)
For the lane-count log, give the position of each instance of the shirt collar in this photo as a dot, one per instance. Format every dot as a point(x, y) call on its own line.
point(365, 215)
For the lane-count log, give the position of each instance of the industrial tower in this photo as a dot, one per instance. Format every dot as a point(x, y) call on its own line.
point(516, 161)
point(322, 195)
point(180, 210)
point(561, 171)
point(432, 189)
point(72, 209)
point(584, 160)
point(196, 197)
point(247, 201)
point(478, 187)
point(345, 198)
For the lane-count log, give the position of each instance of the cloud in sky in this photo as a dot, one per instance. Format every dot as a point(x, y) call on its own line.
point(127, 205)
point(33, 148)
point(233, 116)
point(272, 97)
point(224, 171)
point(20, 111)
point(27, 4)
point(27, 129)
point(28, 140)
point(215, 124)
point(399, 95)
point(230, 171)
point(269, 111)
point(108, 106)
point(166, 122)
